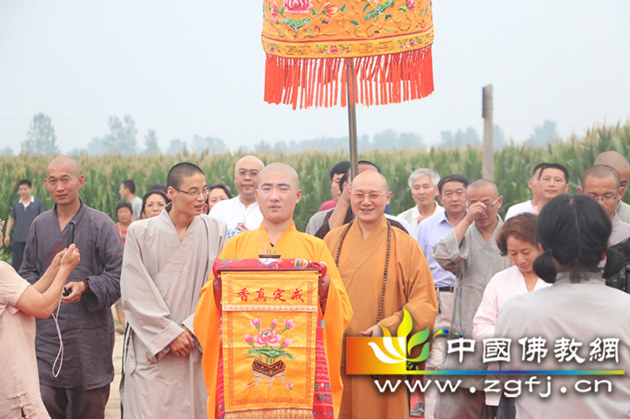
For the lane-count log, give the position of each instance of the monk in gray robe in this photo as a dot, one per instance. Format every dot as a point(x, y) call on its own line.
point(78, 387)
point(470, 252)
point(167, 260)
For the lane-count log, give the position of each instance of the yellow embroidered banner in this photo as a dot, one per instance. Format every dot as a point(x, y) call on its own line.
point(307, 41)
point(269, 343)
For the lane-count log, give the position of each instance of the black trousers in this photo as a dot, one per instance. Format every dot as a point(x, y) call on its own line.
point(18, 253)
point(75, 403)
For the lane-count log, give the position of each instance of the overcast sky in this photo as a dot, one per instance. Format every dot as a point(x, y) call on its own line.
point(197, 67)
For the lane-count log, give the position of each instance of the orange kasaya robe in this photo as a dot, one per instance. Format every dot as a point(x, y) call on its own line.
point(409, 286)
point(292, 244)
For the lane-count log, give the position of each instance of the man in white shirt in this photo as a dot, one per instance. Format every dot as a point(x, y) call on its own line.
point(554, 181)
point(127, 192)
point(423, 184)
point(241, 213)
point(533, 184)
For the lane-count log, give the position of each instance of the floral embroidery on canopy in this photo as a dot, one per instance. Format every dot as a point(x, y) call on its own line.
point(306, 42)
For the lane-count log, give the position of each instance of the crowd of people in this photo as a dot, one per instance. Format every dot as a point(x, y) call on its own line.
point(454, 266)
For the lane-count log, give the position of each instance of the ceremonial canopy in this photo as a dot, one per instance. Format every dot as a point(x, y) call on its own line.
point(308, 44)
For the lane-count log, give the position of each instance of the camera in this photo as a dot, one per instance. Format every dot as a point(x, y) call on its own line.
point(620, 279)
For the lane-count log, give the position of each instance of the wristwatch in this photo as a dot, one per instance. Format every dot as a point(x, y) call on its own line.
point(86, 282)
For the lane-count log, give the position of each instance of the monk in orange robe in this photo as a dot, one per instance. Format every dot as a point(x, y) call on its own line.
point(378, 293)
point(277, 195)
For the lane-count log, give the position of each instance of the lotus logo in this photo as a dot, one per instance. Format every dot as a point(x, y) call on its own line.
point(398, 349)
point(389, 354)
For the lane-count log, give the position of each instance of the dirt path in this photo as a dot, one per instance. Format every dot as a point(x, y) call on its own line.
point(113, 405)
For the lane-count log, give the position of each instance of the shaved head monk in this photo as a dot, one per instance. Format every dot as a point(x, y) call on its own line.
point(602, 183)
point(384, 271)
point(81, 388)
point(277, 195)
point(167, 260)
point(241, 213)
point(470, 252)
point(618, 162)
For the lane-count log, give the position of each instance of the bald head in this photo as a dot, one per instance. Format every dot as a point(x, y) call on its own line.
point(282, 168)
point(370, 179)
point(484, 183)
point(63, 181)
point(613, 159)
point(370, 196)
point(246, 178)
point(601, 171)
point(249, 162)
point(68, 163)
point(618, 162)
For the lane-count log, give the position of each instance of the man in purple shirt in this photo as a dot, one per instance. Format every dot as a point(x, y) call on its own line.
point(77, 385)
point(452, 194)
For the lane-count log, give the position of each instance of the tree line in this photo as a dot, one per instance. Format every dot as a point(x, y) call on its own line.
point(122, 138)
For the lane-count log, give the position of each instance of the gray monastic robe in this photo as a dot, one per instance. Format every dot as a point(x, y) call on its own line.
point(160, 283)
point(474, 262)
point(87, 327)
point(584, 312)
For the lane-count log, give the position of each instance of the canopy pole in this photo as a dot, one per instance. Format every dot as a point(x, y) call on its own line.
point(352, 118)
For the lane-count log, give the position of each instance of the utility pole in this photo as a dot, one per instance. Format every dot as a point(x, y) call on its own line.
point(487, 168)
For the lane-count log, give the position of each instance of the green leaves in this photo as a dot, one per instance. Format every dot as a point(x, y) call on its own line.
point(378, 10)
point(296, 24)
point(270, 352)
point(418, 339)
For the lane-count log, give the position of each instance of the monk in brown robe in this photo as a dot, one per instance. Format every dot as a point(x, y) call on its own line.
point(361, 249)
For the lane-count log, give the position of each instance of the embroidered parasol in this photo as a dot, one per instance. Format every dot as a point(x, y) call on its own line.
point(314, 47)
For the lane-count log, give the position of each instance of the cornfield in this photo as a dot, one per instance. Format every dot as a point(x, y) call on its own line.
point(513, 165)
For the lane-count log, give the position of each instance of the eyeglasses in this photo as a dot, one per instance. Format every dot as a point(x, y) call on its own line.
point(195, 192)
point(371, 196)
point(605, 198)
point(251, 173)
point(488, 205)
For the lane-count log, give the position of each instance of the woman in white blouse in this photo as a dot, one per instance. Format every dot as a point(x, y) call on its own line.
point(516, 240)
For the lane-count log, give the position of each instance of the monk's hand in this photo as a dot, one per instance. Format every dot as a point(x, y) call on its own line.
point(323, 284)
point(76, 291)
point(374, 331)
point(182, 344)
point(475, 211)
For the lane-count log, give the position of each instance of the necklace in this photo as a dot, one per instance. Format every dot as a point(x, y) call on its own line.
point(389, 239)
point(245, 213)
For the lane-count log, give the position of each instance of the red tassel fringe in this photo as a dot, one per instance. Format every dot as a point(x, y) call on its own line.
point(321, 82)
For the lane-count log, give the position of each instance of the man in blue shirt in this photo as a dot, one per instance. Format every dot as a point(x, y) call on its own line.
point(452, 195)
